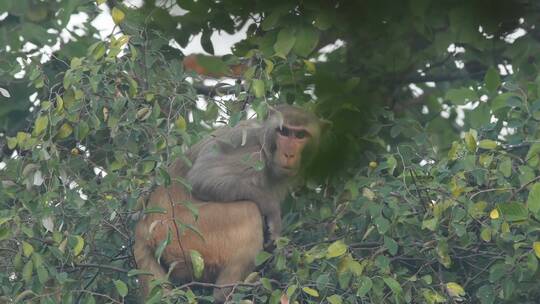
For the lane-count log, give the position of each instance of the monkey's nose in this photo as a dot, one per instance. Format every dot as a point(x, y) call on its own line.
point(287, 155)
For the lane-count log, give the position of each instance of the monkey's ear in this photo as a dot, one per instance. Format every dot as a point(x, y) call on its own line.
point(325, 124)
point(275, 115)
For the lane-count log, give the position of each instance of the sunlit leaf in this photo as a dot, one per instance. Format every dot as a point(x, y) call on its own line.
point(337, 248)
point(310, 291)
point(121, 288)
point(77, 249)
point(455, 290)
point(117, 15)
point(197, 262)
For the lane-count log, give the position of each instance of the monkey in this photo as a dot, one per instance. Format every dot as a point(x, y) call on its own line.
point(232, 235)
point(256, 161)
point(230, 226)
point(194, 62)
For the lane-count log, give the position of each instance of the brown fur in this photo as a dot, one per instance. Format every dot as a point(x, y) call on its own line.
point(232, 237)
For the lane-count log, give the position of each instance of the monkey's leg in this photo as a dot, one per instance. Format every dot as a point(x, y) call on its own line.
point(144, 257)
point(272, 212)
point(232, 273)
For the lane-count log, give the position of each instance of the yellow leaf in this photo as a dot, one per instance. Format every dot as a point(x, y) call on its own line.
point(487, 144)
point(79, 246)
point(27, 249)
point(258, 88)
point(338, 248)
point(65, 131)
point(105, 113)
point(485, 234)
point(310, 66)
point(143, 113)
point(197, 263)
point(100, 1)
point(310, 291)
point(40, 124)
point(180, 123)
point(455, 290)
point(505, 227)
point(494, 214)
point(117, 15)
point(536, 247)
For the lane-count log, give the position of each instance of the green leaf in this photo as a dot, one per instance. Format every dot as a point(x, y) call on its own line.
point(162, 245)
point(81, 130)
point(496, 272)
point(148, 166)
point(197, 262)
point(461, 96)
point(505, 166)
point(393, 284)
point(27, 271)
point(513, 212)
point(258, 88)
point(271, 21)
point(12, 142)
point(262, 257)
point(310, 291)
point(487, 144)
point(121, 287)
point(382, 224)
point(501, 101)
point(486, 294)
point(391, 245)
point(492, 79)
point(206, 41)
point(430, 224)
point(336, 249)
point(470, 140)
point(27, 249)
point(533, 201)
point(285, 41)
point(485, 234)
point(266, 284)
point(136, 272)
point(41, 124)
point(307, 39)
point(43, 274)
point(365, 285)
point(334, 299)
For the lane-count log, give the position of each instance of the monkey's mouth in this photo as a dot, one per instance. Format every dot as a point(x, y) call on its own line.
point(289, 170)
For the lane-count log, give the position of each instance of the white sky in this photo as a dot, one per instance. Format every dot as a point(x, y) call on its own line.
point(222, 41)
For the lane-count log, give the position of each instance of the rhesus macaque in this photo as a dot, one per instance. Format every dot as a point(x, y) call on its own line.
point(255, 161)
point(231, 190)
point(232, 235)
point(193, 63)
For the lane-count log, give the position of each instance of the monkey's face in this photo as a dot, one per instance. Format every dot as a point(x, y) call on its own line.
point(290, 143)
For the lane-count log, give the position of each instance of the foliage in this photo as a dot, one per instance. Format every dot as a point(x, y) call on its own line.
point(426, 190)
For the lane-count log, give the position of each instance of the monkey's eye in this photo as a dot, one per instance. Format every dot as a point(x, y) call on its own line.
point(301, 134)
point(284, 131)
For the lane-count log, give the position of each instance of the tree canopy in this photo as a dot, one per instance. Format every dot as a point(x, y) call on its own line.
point(426, 189)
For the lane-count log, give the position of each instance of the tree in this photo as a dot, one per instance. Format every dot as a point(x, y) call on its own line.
point(426, 190)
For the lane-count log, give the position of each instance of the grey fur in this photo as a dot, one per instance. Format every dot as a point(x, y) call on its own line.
point(226, 165)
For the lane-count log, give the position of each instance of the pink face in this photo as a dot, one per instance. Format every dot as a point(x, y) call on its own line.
point(290, 142)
